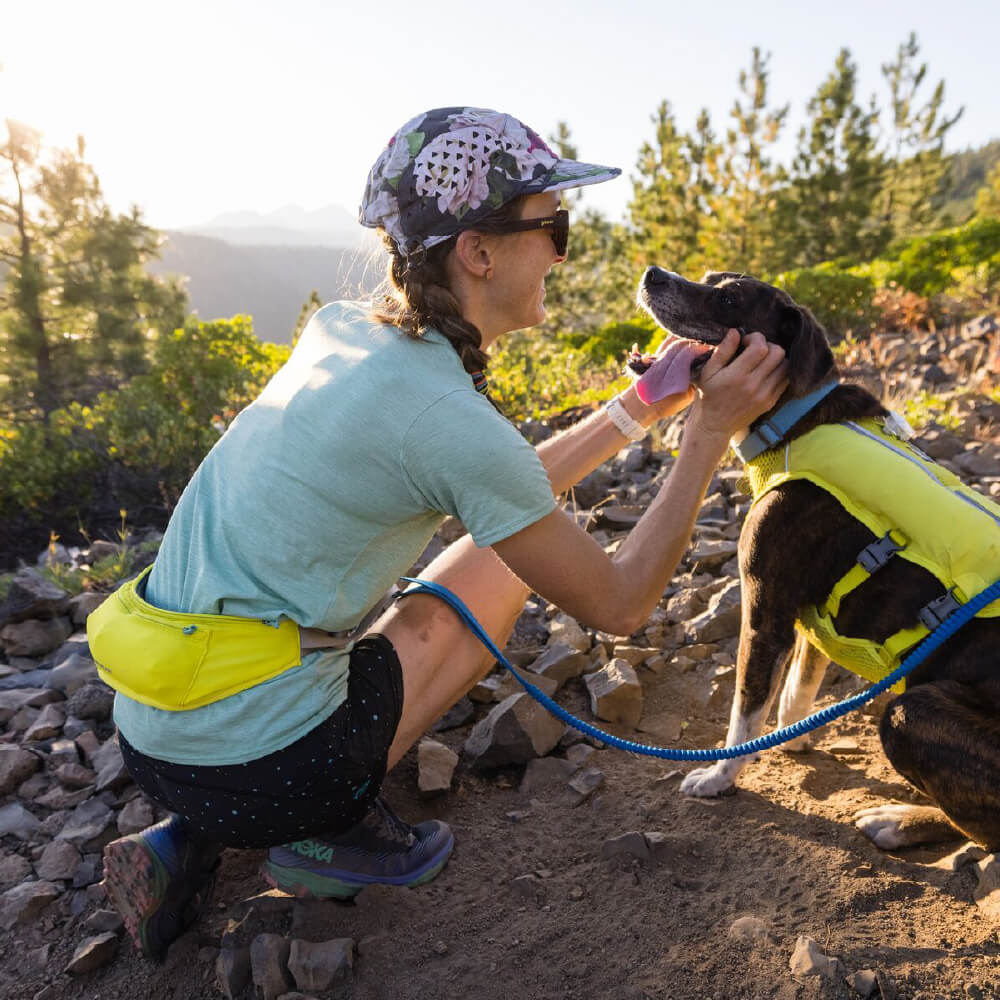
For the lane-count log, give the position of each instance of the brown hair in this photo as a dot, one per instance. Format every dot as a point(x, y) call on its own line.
point(418, 297)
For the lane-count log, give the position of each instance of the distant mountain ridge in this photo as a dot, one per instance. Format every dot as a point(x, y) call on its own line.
point(268, 282)
point(289, 225)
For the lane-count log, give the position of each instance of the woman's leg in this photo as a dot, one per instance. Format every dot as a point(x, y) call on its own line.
point(440, 656)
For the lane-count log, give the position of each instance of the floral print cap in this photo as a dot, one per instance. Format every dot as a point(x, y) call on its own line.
point(446, 169)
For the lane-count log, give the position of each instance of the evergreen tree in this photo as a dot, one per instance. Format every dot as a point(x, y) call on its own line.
point(77, 309)
point(988, 196)
point(738, 233)
point(914, 143)
point(826, 210)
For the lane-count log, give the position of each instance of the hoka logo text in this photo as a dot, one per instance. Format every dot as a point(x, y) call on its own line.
point(310, 849)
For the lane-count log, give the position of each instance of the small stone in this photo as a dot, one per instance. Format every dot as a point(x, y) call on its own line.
point(25, 902)
point(864, 982)
point(136, 816)
point(232, 971)
point(16, 766)
point(440, 948)
point(48, 724)
point(85, 604)
point(75, 776)
point(436, 765)
point(458, 715)
point(566, 630)
point(615, 693)
point(72, 674)
point(16, 821)
point(987, 891)
point(269, 965)
point(87, 824)
point(319, 966)
point(93, 953)
point(94, 700)
point(809, 960)
point(579, 753)
point(514, 732)
point(526, 887)
point(965, 855)
point(585, 782)
point(59, 861)
point(748, 929)
point(559, 662)
point(13, 870)
point(845, 747)
point(34, 637)
point(102, 921)
point(632, 844)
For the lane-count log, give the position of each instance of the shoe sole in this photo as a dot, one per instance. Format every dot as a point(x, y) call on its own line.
point(136, 880)
point(305, 884)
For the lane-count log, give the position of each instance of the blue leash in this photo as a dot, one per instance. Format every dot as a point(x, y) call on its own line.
point(928, 645)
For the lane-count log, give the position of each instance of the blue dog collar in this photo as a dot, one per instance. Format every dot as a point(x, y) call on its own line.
point(772, 431)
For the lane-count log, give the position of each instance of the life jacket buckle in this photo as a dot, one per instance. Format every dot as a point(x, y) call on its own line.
point(879, 552)
point(935, 612)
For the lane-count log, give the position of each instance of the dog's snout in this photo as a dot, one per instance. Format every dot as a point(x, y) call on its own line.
point(658, 276)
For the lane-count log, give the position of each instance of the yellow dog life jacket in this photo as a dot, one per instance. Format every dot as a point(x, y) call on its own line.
point(179, 661)
point(930, 517)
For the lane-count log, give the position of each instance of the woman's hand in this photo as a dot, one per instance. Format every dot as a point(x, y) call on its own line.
point(734, 391)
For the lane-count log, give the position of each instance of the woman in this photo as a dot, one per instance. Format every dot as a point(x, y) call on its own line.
point(327, 488)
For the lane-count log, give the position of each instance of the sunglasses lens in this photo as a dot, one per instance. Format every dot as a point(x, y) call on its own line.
point(560, 232)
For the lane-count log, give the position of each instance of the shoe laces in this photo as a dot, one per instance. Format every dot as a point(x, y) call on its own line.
point(388, 824)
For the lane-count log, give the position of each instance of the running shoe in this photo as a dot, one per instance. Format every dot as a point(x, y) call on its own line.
point(381, 850)
point(159, 881)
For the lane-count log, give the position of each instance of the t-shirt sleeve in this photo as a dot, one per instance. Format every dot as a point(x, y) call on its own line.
point(461, 457)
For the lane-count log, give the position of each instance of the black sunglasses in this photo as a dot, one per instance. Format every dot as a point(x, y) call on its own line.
point(557, 226)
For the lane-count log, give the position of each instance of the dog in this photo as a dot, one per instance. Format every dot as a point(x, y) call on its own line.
point(942, 734)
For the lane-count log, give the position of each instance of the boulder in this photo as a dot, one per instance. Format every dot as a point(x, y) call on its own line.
point(514, 732)
point(615, 693)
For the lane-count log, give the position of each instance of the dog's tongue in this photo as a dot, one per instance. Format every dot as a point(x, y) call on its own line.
point(670, 373)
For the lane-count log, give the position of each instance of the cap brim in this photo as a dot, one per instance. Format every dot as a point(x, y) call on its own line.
point(571, 174)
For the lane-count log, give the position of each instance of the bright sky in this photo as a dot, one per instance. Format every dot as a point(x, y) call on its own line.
point(194, 107)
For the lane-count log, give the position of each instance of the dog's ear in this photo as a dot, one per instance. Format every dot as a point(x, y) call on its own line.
point(810, 359)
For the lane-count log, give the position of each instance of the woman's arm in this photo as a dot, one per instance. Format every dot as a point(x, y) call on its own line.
point(560, 561)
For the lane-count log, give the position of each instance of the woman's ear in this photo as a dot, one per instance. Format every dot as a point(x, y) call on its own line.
point(474, 253)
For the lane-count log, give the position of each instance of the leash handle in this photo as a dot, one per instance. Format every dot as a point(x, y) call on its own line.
point(941, 634)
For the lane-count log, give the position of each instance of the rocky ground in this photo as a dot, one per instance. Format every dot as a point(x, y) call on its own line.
point(580, 871)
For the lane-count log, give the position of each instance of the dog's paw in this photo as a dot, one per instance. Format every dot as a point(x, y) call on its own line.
point(889, 826)
point(801, 744)
point(705, 782)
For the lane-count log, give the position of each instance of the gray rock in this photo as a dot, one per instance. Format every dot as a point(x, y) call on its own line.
point(25, 679)
point(13, 870)
point(808, 960)
point(93, 953)
point(16, 765)
point(721, 619)
point(75, 776)
point(560, 662)
point(269, 965)
point(35, 637)
point(685, 605)
point(85, 604)
point(436, 765)
point(94, 700)
point(72, 674)
point(514, 732)
point(566, 630)
point(545, 774)
point(458, 715)
point(632, 844)
point(88, 871)
point(48, 724)
point(864, 982)
point(136, 816)
point(748, 929)
point(709, 554)
point(30, 595)
point(982, 462)
point(87, 824)
point(232, 971)
point(59, 861)
point(24, 902)
point(16, 821)
point(322, 965)
point(58, 797)
point(102, 921)
point(615, 693)
point(585, 782)
point(11, 702)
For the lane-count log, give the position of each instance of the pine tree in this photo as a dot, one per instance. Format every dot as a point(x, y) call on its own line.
point(988, 196)
point(913, 145)
point(77, 309)
point(826, 210)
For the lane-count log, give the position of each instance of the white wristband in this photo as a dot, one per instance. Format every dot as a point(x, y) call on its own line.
point(623, 420)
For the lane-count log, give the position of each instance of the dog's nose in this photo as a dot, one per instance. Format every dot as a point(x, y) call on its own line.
point(658, 276)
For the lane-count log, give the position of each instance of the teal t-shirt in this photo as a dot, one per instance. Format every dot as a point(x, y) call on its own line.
point(317, 498)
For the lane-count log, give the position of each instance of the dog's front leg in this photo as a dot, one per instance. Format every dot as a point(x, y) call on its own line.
point(759, 670)
point(797, 696)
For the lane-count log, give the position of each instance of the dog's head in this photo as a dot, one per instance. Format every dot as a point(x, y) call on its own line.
point(704, 311)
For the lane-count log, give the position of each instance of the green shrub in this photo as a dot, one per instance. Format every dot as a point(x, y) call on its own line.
point(614, 340)
point(840, 299)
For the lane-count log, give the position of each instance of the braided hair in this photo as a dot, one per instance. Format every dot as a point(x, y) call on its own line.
point(418, 296)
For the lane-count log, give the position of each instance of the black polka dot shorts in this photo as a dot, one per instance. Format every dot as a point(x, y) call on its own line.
point(323, 783)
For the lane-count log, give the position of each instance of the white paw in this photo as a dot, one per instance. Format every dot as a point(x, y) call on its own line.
point(801, 744)
point(883, 825)
point(704, 782)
